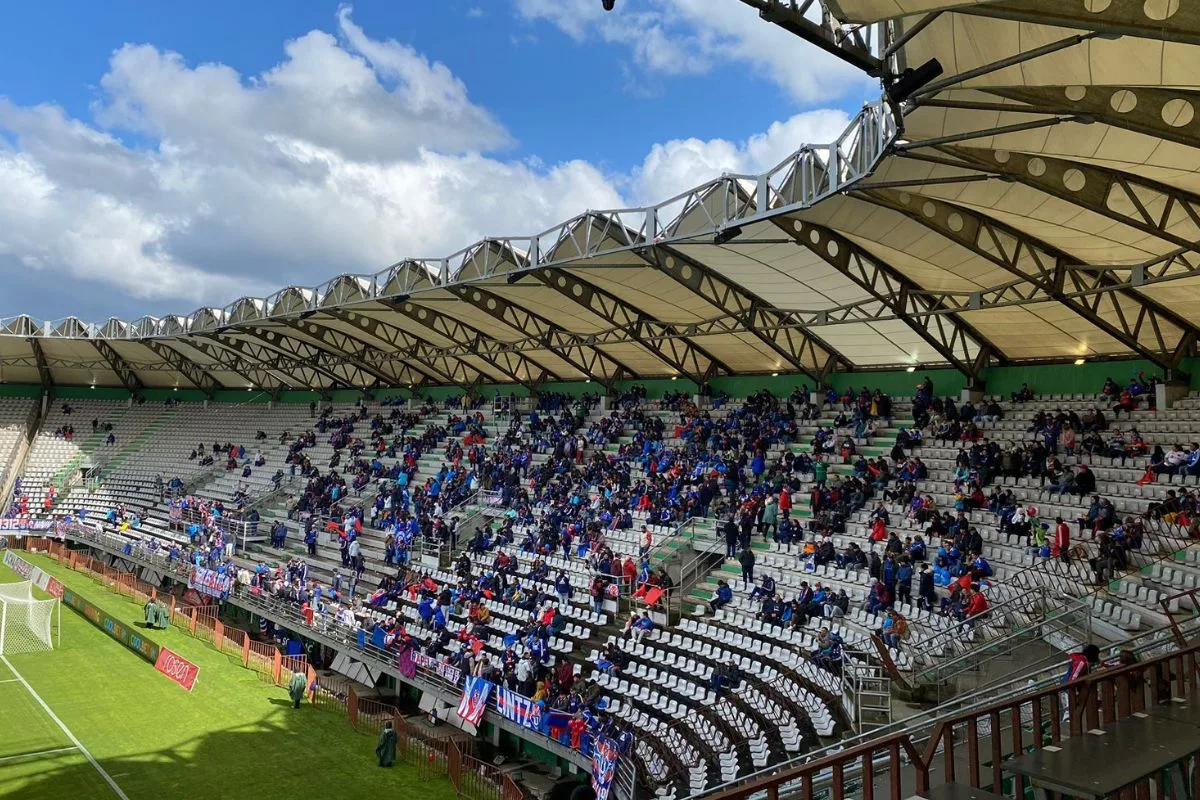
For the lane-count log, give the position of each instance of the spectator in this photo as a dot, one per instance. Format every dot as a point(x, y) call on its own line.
point(720, 598)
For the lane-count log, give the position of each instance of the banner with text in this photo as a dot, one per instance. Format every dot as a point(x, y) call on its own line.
point(518, 708)
point(177, 668)
point(36, 575)
point(25, 524)
point(604, 766)
point(448, 671)
point(123, 633)
point(210, 582)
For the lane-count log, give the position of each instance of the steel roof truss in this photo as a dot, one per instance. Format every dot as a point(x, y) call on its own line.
point(591, 361)
point(190, 370)
point(948, 334)
point(680, 354)
point(119, 365)
point(520, 368)
point(43, 368)
point(1045, 268)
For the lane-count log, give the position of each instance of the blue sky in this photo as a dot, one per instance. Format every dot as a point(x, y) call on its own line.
point(167, 156)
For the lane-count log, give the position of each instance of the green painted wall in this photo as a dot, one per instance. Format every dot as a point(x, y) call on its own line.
point(783, 384)
point(234, 396)
point(88, 393)
point(656, 388)
point(1067, 378)
point(901, 383)
point(19, 390)
point(182, 395)
point(301, 398)
point(1042, 378)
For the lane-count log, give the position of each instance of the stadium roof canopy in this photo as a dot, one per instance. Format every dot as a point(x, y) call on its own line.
point(1037, 201)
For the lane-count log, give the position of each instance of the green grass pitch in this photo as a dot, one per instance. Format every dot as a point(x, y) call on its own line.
point(232, 737)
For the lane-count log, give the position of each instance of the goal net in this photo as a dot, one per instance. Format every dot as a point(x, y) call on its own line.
point(25, 622)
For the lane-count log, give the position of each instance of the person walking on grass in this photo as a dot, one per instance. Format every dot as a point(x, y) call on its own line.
point(385, 751)
point(296, 687)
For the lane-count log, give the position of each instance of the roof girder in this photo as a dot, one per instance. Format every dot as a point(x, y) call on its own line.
point(195, 375)
point(948, 334)
point(1044, 267)
point(488, 348)
point(119, 366)
point(1102, 189)
point(299, 356)
point(588, 359)
point(679, 353)
point(360, 354)
point(1076, 15)
point(1147, 117)
point(230, 359)
point(757, 317)
point(43, 368)
point(419, 355)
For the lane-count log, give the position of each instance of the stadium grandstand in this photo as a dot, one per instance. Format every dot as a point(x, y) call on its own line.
point(806, 483)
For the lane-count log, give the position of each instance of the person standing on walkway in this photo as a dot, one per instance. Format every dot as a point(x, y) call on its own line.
point(746, 559)
point(730, 530)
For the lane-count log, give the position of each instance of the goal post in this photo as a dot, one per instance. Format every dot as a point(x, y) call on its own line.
point(26, 624)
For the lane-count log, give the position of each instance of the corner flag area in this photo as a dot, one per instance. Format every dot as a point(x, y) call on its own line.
point(91, 719)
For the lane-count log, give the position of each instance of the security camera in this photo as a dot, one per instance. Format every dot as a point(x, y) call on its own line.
point(608, 4)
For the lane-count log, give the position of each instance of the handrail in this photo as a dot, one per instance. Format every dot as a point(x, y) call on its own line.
point(1143, 645)
point(1035, 600)
point(1034, 719)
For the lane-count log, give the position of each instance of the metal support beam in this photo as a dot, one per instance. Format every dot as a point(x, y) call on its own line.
point(899, 41)
point(1005, 63)
point(185, 366)
point(43, 368)
point(227, 360)
point(1149, 206)
point(426, 363)
point(589, 360)
point(1122, 313)
point(1116, 19)
point(301, 365)
point(800, 350)
point(828, 34)
point(997, 131)
point(521, 368)
point(948, 334)
point(356, 352)
point(119, 365)
point(680, 354)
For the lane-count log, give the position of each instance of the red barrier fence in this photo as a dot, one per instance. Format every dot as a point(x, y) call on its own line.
point(431, 757)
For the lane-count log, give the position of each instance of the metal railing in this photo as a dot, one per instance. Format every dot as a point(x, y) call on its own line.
point(325, 628)
point(1040, 638)
point(920, 726)
point(951, 748)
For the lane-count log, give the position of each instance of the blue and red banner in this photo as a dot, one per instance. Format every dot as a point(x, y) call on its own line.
point(405, 663)
point(604, 766)
point(518, 708)
point(474, 699)
point(210, 582)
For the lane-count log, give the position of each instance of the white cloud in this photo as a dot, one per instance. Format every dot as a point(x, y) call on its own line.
point(347, 156)
point(679, 164)
point(691, 37)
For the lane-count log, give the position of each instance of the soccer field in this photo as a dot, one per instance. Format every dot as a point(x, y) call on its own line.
point(232, 737)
